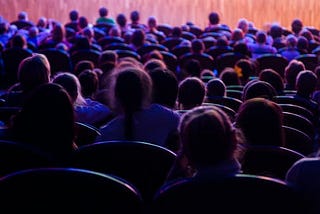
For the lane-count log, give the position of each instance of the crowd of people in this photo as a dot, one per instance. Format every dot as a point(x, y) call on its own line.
point(188, 108)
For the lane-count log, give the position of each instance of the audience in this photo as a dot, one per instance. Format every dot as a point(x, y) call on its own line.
point(141, 100)
point(137, 119)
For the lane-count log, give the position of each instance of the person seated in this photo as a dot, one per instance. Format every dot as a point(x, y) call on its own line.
point(33, 71)
point(135, 21)
point(261, 47)
point(86, 110)
point(152, 29)
point(204, 153)
point(103, 17)
point(23, 21)
point(130, 96)
point(73, 20)
point(290, 51)
point(46, 122)
point(191, 93)
point(276, 33)
point(291, 72)
point(303, 175)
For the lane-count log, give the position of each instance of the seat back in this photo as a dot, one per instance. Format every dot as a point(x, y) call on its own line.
point(11, 60)
point(296, 109)
point(274, 61)
point(230, 102)
point(170, 60)
point(238, 194)
point(42, 190)
point(271, 161)
point(85, 133)
point(310, 61)
point(299, 122)
point(59, 60)
point(79, 55)
point(229, 111)
point(143, 164)
point(16, 156)
point(299, 141)
point(127, 53)
point(227, 60)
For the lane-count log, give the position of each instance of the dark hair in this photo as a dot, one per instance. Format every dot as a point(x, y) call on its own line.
point(103, 11)
point(131, 91)
point(214, 18)
point(165, 87)
point(47, 121)
point(261, 122)
point(73, 15)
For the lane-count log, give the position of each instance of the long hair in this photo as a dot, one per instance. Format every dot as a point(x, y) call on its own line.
point(131, 91)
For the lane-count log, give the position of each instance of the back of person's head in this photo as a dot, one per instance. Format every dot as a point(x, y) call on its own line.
point(89, 81)
point(275, 31)
point(71, 84)
point(237, 34)
point(215, 87)
point(83, 22)
point(131, 89)
point(291, 41)
point(214, 18)
point(307, 34)
point(291, 72)
point(243, 24)
point(152, 22)
point(103, 12)
point(229, 76)
point(257, 88)
point(18, 41)
point(83, 65)
point(22, 16)
point(261, 37)
point(73, 15)
point(152, 64)
point(197, 46)
point(138, 37)
point(108, 56)
point(193, 68)
point(121, 20)
point(135, 16)
point(165, 87)
point(241, 47)
point(33, 71)
point(130, 92)
point(244, 69)
point(296, 26)
point(261, 122)
point(176, 32)
point(47, 121)
point(222, 41)
point(207, 136)
point(271, 76)
point(302, 43)
point(191, 93)
point(306, 83)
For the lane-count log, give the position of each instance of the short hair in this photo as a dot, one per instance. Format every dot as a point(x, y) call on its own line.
point(216, 87)
point(191, 92)
point(214, 18)
point(103, 11)
point(74, 15)
point(134, 16)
